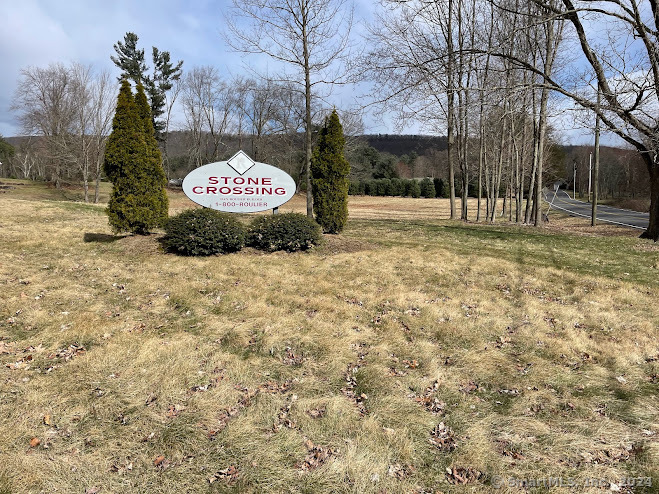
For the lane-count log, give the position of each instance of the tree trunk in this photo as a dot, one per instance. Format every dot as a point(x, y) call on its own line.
point(307, 117)
point(480, 176)
point(653, 227)
point(450, 108)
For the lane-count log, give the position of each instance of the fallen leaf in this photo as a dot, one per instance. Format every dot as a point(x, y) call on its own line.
point(229, 474)
point(316, 457)
point(34, 442)
point(462, 475)
point(442, 437)
point(158, 461)
point(174, 410)
point(47, 420)
point(317, 413)
point(400, 472)
point(469, 387)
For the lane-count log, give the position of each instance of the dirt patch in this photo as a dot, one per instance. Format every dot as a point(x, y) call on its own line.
point(141, 244)
point(581, 226)
point(338, 244)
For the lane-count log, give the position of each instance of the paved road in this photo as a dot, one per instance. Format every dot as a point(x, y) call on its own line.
point(625, 217)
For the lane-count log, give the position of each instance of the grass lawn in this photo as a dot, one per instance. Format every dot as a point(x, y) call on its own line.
point(408, 354)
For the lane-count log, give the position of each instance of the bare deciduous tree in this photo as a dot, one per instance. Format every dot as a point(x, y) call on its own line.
point(71, 109)
point(309, 37)
point(45, 107)
point(625, 71)
point(208, 105)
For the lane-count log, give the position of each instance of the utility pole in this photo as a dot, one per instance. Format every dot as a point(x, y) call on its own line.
point(574, 180)
point(593, 216)
point(590, 173)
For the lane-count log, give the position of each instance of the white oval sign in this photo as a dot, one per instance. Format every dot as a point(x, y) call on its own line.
point(239, 185)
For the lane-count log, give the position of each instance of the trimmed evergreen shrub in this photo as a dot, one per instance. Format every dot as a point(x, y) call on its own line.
point(132, 162)
point(288, 231)
point(427, 188)
point(413, 189)
point(439, 184)
point(383, 185)
point(203, 232)
point(329, 171)
point(398, 187)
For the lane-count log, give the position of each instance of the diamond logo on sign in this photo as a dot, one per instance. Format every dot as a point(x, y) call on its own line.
point(240, 162)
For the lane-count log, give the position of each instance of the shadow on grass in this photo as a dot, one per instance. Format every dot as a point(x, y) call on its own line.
point(102, 238)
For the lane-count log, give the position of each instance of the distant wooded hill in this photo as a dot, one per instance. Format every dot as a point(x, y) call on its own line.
point(397, 145)
point(622, 173)
point(406, 144)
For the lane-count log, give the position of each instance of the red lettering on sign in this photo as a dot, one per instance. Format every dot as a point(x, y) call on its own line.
point(239, 180)
point(251, 180)
point(194, 190)
point(280, 191)
point(225, 190)
point(211, 190)
point(266, 181)
point(212, 180)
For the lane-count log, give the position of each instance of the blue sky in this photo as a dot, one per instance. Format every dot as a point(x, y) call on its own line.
point(39, 32)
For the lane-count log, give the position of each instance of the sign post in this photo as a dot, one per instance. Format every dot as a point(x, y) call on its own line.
point(239, 185)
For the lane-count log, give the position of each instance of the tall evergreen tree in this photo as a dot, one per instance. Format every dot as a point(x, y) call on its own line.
point(138, 202)
point(131, 61)
point(330, 171)
point(162, 80)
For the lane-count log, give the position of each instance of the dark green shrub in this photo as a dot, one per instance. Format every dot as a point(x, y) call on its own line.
point(439, 187)
point(389, 187)
point(427, 188)
point(330, 171)
point(412, 188)
point(353, 189)
point(398, 187)
point(381, 186)
point(203, 232)
point(288, 231)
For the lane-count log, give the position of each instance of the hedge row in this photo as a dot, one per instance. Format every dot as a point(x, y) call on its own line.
point(427, 187)
point(400, 187)
point(204, 232)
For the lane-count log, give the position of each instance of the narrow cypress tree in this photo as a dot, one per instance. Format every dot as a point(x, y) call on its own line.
point(153, 174)
point(138, 201)
point(330, 171)
point(124, 142)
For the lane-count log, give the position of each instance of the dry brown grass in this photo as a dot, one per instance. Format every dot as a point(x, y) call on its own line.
point(371, 364)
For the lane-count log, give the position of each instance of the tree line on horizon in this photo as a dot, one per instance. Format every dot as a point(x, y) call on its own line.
point(484, 73)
